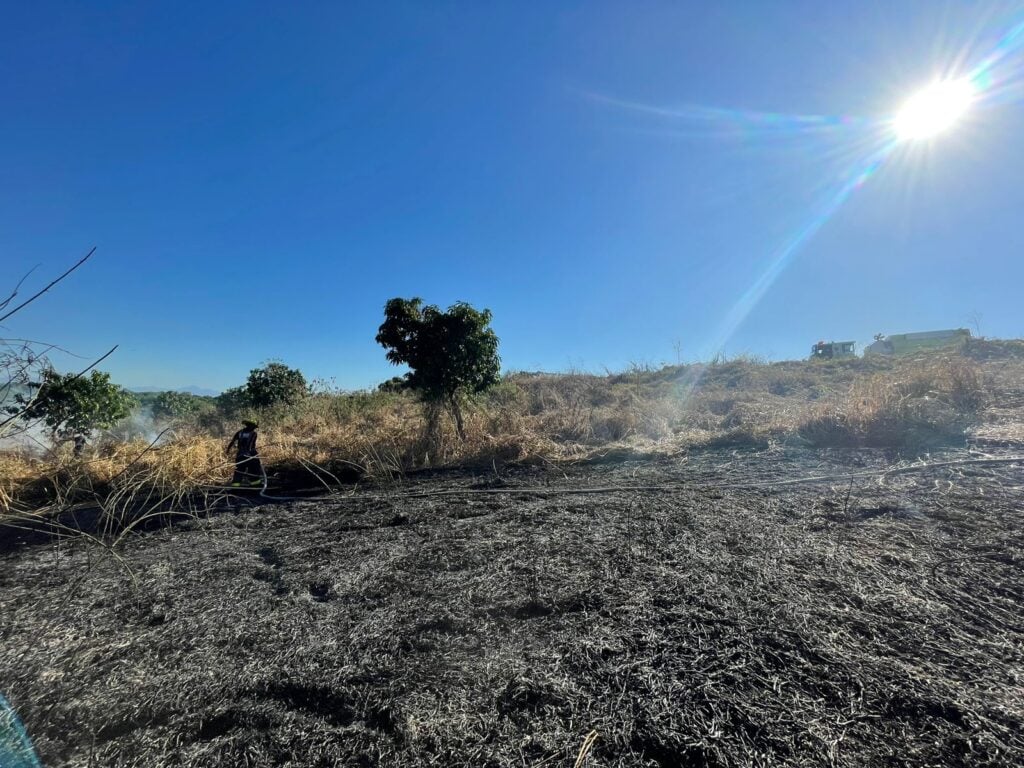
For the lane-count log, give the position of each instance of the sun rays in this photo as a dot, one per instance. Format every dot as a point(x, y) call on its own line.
point(863, 145)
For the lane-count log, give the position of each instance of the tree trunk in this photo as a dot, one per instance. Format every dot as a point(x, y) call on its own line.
point(434, 438)
point(457, 413)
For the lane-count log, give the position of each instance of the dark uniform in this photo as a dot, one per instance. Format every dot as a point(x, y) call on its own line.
point(248, 469)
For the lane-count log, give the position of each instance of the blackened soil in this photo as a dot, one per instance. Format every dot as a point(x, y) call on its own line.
point(848, 622)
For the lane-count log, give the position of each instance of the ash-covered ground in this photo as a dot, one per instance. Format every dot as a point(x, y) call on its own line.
point(710, 618)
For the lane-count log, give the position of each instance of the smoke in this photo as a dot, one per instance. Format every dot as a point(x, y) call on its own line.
point(141, 424)
point(36, 439)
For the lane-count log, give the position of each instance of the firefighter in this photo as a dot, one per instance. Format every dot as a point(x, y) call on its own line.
point(248, 470)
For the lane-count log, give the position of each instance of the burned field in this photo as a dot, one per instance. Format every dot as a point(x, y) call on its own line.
point(689, 612)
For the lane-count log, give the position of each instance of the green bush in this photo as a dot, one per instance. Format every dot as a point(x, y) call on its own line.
point(169, 406)
point(275, 384)
point(73, 403)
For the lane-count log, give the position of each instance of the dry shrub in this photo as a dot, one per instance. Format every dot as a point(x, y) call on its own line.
point(661, 418)
point(563, 407)
point(984, 350)
point(749, 423)
point(963, 381)
point(928, 401)
point(16, 470)
point(614, 424)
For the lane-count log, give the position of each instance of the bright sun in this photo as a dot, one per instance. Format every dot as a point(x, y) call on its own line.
point(933, 109)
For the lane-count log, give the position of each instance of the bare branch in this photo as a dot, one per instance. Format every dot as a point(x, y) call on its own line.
point(48, 287)
point(14, 293)
point(96, 362)
point(85, 370)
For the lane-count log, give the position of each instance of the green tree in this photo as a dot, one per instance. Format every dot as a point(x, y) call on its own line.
point(273, 384)
point(232, 401)
point(394, 384)
point(450, 354)
point(178, 405)
point(73, 403)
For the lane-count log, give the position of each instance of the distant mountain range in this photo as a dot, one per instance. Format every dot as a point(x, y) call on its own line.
point(191, 389)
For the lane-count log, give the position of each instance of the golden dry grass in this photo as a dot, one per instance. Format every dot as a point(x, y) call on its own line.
point(931, 400)
point(902, 403)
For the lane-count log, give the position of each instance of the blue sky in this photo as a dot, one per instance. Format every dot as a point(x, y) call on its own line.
point(260, 178)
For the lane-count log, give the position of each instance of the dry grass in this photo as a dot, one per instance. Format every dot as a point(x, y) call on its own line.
point(906, 403)
point(930, 401)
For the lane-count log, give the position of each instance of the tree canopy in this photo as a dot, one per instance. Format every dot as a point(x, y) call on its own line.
point(450, 353)
point(178, 405)
point(275, 383)
point(73, 403)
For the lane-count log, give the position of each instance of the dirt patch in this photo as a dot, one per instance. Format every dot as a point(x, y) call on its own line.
point(859, 621)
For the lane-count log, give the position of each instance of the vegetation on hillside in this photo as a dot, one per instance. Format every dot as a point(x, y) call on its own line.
point(907, 404)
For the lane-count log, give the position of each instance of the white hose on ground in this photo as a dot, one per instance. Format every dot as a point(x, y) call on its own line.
point(676, 486)
point(548, 491)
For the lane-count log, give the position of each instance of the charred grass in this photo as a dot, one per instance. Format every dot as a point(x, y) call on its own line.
point(844, 625)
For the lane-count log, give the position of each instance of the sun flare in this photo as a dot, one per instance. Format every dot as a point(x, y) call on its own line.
point(933, 109)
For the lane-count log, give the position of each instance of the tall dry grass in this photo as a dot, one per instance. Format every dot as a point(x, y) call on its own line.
point(930, 401)
point(333, 437)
